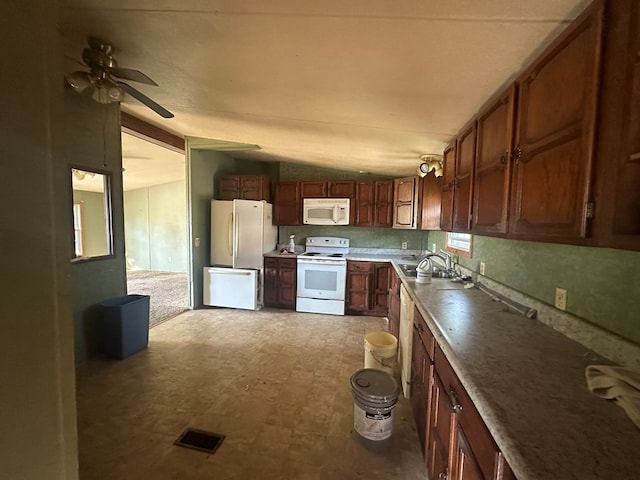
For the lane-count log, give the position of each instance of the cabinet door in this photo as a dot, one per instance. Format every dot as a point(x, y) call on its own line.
point(440, 428)
point(418, 386)
point(405, 199)
point(431, 194)
point(465, 466)
point(448, 180)
point(271, 282)
point(617, 212)
point(380, 291)
point(313, 189)
point(359, 280)
point(493, 165)
point(255, 187)
point(463, 190)
point(557, 99)
point(287, 282)
point(383, 208)
point(229, 187)
point(342, 189)
point(364, 204)
point(288, 206)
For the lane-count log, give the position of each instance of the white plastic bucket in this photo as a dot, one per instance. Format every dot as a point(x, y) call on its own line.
point(380, 351)
point(375, 394)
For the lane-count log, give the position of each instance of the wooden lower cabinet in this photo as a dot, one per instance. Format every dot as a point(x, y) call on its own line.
point(367, 288)
point(457, 444)
point(280, 282)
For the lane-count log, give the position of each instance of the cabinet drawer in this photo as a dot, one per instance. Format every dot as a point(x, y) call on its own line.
point(270, 262)
point(287, 263)
point(427, 338)
point(360, 266)
point(480, 440)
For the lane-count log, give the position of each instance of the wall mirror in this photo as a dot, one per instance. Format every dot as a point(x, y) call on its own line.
point(92, 224)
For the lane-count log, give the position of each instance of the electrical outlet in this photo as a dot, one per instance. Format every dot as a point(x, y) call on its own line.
point(404, 245)
point(561, 299)
point(481, 268)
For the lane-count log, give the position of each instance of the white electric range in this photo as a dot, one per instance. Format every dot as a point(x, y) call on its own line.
point(322, 275)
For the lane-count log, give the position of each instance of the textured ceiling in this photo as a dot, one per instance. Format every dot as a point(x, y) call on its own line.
point(359, 85)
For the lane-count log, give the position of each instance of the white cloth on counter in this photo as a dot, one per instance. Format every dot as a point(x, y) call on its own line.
point(618, 384)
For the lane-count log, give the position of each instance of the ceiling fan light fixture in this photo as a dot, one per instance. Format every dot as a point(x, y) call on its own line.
point(430, 162)
point(79, 80)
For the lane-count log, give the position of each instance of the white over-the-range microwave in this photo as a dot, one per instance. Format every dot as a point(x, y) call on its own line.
point(325, 211)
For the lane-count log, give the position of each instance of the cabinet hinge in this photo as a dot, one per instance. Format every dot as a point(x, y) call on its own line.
point(589, 209)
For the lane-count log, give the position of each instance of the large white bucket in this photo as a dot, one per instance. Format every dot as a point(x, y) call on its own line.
point(375, 394)
point(380, 351)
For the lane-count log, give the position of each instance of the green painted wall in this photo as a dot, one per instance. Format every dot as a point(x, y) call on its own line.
point(602, 284)
point(156, 227)
point(37, 375)
point(203, 168)
point(93, 142)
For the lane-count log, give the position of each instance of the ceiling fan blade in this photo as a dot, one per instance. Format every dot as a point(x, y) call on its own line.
point(130, 74)
point(159, 109)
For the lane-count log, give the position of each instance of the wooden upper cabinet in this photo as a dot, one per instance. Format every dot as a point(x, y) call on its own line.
point(431, 194)
point(405, 199)
point(493, 165)
point(288, 204)
point(555, 131)
point(383, 203)
point(341, 189)
point(365, 201)
point(616, 221)
point(313, 189)
point(463, 190)
point(448, 181)
point(626, 221)
point(245, 187)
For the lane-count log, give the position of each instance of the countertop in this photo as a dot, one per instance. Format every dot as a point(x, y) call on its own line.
point(528, 383)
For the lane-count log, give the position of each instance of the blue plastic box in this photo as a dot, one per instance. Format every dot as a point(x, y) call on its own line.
point(124, 325)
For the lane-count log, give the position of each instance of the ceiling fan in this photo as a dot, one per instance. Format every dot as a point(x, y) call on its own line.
point(102, 81)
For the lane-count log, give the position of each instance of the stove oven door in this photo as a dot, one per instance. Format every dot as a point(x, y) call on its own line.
point(322, 278)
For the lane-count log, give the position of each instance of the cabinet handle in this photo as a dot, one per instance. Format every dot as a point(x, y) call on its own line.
point(453, 398)
point(444, 475)
point(503, 157)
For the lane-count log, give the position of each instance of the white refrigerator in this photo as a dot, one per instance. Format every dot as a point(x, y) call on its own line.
point(241, 232)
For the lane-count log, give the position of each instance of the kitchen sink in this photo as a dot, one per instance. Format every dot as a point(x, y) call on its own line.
point(408, 270)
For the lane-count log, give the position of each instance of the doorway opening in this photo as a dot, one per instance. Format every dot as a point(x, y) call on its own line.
point(156, 219)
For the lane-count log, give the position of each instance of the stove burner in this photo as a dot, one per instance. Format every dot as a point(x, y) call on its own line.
point(338, 255)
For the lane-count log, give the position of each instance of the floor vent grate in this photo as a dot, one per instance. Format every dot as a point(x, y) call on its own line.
point(199, 440)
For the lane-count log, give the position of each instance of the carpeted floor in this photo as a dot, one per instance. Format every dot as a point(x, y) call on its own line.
point(168, 292)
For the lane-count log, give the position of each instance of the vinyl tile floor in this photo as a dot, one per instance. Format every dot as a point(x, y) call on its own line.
point(276, 383)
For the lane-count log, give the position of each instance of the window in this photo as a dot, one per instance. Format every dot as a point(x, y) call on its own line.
point(92, 229)
point(460, 243)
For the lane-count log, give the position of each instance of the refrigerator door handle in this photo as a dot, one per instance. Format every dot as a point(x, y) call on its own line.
point(230, 234)
point(236, 239)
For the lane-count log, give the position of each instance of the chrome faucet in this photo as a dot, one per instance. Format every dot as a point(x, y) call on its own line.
point(445, 257)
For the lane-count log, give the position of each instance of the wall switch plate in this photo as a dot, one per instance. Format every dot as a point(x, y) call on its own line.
point(561, 299)
point(434, 248)
point(404, 245)
point(481, 268)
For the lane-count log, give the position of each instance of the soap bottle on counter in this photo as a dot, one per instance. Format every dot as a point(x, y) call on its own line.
point(292, 244)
